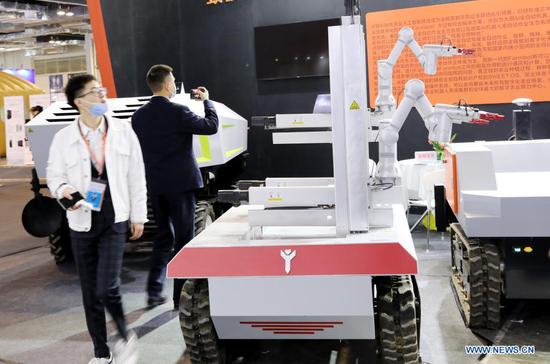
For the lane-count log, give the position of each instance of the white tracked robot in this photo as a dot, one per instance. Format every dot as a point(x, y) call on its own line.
point(264, 270)
point(219, 156)
point(496, 198)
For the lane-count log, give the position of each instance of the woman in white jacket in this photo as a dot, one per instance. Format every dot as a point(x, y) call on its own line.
point(100, 158)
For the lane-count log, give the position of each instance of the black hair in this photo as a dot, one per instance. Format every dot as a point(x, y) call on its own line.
point(74, 87)
point(37, 108)
point(156, 76)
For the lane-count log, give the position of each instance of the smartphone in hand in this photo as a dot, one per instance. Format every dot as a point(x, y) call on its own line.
point(66, 203)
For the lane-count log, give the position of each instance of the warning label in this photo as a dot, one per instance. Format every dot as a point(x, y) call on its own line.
point(354, 106)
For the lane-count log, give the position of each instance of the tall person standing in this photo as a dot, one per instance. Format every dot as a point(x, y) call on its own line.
point(99, 160)
point(165, 131)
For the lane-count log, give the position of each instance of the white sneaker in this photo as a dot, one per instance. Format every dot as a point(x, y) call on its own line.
point(126, 351)
point(109, 360)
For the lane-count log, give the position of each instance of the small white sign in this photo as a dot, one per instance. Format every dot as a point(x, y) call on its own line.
point(425, 156)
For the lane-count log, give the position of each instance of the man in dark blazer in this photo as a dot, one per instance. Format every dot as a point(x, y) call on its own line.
point(165, 131)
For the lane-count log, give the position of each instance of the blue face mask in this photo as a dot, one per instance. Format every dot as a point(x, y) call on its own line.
point(98, 109)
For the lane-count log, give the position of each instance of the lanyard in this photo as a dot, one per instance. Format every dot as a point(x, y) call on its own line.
point(98, 161)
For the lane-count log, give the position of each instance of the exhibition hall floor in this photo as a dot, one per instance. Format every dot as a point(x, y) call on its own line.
point(42, 320)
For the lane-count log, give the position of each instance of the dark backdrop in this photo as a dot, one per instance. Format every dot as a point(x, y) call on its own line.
point(213, 46)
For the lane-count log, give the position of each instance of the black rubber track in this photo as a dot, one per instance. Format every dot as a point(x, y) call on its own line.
point(197, 328)
point(203, 211)
point(397, 320)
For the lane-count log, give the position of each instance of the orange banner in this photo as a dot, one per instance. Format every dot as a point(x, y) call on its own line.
point(102, 47)
point(511, 39)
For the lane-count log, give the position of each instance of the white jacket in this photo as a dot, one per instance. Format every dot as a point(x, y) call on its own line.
point(69, 162)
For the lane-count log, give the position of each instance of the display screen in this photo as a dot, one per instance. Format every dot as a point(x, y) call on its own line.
point(293, 50)
point(26, 74)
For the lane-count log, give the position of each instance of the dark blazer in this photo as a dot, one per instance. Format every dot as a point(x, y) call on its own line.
point(165, 131)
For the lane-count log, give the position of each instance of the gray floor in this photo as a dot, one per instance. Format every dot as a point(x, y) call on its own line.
point(42, 321)
point(13, 197)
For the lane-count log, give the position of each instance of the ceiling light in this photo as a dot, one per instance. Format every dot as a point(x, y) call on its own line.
point(69, 13)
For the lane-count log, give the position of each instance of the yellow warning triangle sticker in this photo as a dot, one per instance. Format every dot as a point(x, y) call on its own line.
point(354, 106)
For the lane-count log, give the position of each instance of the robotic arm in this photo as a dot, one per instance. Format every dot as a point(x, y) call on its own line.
point(427, 57)
point(438, 120)
point(446, 115)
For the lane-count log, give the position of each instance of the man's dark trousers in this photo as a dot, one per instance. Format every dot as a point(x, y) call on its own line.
point(98, 256)
point(175, 218)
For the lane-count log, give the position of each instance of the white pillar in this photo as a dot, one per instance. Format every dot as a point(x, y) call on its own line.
point(349, 125)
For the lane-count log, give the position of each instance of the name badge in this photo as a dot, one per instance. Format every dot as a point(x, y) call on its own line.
point(95, 194)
